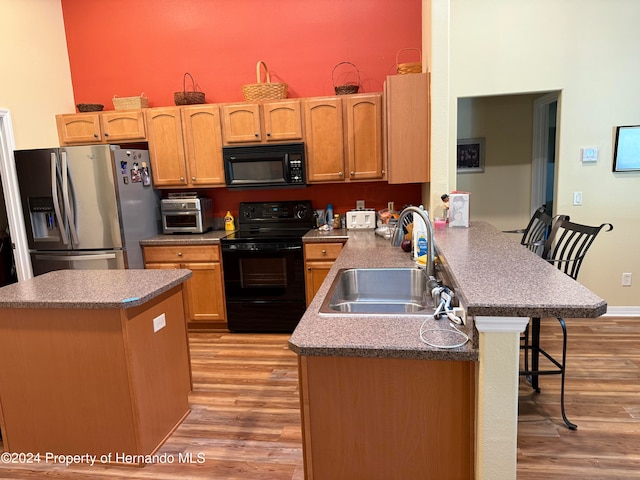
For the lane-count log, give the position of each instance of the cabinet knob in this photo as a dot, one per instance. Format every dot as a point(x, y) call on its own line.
point(179, 254)
point(106, 134)
point(257, 135)
point(95, 135)
point(352, 173)
point(309, 268)
point(268, 134)
point(324, 252)
point(193, 179)
point(383, 172)
point(340, 174)
point(182, 179)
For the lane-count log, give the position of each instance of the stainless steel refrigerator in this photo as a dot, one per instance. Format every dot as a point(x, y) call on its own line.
point(87, 207)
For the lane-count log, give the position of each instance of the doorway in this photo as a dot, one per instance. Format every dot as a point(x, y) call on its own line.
point(518, 169)
point(543, 169)
point(11, 195)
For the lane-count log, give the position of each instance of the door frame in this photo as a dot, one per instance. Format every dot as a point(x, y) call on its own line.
point(540, 148)
point(12, 198)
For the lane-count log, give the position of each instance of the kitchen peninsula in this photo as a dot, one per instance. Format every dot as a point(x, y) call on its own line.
point(381, 384)
point(93, 361)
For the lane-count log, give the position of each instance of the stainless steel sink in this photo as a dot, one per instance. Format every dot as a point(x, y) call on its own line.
point(378, 291)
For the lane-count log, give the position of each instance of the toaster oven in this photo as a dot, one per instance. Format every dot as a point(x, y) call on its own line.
point(186, 213)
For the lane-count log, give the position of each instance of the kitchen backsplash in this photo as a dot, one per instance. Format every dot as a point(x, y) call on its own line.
point(342, 197)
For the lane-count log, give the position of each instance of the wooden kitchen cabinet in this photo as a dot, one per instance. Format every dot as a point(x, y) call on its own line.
point(185, 146)
point(275, 121)
point(344, 138)
point(318, 260)
point(202, 136)
point(407, 107)
point(101, 127)
point(365, 417)
point(204, 291)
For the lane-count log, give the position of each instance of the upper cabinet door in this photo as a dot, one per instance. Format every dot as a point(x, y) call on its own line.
point(203, 144)
point(324, 139)
point(166, 148)
point(407, 117)
point(282, 121)
point(79, 128)
point(241, 123)
point(364, 136)
point(123, 125)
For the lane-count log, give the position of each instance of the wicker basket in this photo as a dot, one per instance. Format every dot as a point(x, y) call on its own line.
point(130, 103)
point(410, 67)
point(260, 91)
point(194, 97)
point(90, 107)
point(347, 88)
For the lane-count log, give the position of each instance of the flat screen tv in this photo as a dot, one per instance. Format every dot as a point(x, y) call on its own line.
point(626, 154)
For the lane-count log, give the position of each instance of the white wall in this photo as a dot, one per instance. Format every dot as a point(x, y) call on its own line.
point(36, 80)
point(587, 49)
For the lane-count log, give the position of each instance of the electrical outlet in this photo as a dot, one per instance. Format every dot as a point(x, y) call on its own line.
point(626, 279)
point(577, 198)
point(159, 322)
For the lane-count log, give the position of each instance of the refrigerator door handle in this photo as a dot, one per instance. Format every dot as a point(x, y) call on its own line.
point(95, 256)
point(65, 198)
point(56, 199)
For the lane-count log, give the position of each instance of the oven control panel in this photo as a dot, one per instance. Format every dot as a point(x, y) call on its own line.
point(293, 211)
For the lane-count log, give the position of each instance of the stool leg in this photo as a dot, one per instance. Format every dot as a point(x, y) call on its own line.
point(572, 426)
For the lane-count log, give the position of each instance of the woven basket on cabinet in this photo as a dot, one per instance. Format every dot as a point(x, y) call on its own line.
point(409, 67)
point(194, 97)
point(260, 91)
point(128, 103)
point(347, 88)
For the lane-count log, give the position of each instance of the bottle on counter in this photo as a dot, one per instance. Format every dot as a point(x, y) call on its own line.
point(330, 215)
point(229, 224)
point(419, 234)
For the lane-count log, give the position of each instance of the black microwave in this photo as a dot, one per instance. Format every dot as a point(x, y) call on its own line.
point(264, 166)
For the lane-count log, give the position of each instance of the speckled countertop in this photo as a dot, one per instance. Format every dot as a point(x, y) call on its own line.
point(491, 273)
point(210, 238)
point(91, 288)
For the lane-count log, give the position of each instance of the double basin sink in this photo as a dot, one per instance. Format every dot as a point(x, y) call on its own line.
point(378, 291)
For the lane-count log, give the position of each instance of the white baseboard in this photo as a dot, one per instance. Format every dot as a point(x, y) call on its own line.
point(628, 311)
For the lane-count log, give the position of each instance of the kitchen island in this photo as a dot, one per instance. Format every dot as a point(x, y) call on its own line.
point(93, 362)
point(363, 369)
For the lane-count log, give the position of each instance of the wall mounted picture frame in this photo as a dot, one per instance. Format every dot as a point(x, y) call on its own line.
point(470, 155)
point(626, 152)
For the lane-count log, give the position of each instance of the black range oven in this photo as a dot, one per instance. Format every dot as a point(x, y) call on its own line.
point(263, 265)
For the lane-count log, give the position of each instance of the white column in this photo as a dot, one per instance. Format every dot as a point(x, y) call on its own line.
point(497, 396)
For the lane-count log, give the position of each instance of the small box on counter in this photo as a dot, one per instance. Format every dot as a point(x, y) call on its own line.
point(459, 209)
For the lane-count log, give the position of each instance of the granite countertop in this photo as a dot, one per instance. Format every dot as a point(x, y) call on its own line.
point(91, 289)
point(491, 274)
point(209, 238)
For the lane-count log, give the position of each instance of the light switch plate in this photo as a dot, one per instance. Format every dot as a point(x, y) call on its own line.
point(577, 198)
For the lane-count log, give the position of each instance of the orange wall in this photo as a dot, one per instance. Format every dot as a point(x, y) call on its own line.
point(124, 48)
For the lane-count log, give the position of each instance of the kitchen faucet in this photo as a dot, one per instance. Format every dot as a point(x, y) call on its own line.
point(396, 239)
point(441, 295)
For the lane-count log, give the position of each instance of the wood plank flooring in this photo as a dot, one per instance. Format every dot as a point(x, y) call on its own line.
point(245, 418)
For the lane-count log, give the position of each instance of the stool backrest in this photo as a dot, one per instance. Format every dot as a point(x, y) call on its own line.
point(568, 243)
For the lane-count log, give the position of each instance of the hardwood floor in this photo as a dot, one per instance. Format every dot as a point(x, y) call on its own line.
point(602, 396)
point(245, 414)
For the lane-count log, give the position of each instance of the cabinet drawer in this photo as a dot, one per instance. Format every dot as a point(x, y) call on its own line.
point(182, 253)
point(322, 251)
